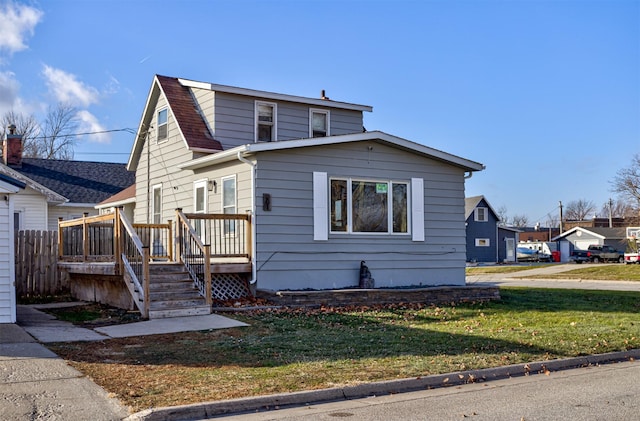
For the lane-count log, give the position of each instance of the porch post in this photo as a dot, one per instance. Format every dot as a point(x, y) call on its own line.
point(207, 275)
point(85, 236)
point(170, 240)
point(60, 239)
point(145, 280)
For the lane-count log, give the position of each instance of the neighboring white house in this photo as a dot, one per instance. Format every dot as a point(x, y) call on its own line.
point(58, 188)
point(8, 189)
point(324, 193)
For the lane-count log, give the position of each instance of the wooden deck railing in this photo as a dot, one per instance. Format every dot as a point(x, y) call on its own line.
point(229, 235)
point(195, 255)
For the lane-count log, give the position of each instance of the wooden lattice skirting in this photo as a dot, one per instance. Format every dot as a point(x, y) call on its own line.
point(228, 286)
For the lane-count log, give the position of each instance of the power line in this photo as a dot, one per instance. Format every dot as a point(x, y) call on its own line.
point(127, 129)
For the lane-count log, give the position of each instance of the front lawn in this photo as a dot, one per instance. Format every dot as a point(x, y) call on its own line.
point(290, 350)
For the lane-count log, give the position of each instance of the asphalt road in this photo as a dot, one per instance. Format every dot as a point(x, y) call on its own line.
point(606, 392)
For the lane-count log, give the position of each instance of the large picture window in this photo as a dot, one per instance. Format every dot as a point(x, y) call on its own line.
point(369, 206)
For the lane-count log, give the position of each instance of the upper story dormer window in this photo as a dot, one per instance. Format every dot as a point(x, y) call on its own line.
point(481, 214)
point(162, 125)
point(318, 123)
point(266, 121)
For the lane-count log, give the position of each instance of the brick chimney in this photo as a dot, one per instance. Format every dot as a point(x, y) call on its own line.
point(12, 148)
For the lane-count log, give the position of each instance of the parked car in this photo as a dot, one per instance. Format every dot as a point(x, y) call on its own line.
point(597, 253)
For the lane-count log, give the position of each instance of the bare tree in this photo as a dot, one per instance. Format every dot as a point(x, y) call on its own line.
point(627, 183)
point(578, 210)
point(53, 139)
point(501, 213)
point(26, 125)
point(619, 208)
point(58, 139)
point(520, 220)
point(553, 220)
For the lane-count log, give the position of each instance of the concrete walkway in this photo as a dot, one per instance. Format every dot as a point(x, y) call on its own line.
point(35, 384)
point(522, 279)
point(46, 328)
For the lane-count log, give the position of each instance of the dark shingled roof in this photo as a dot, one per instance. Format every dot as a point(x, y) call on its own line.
point(78, 181)
point(184, 110)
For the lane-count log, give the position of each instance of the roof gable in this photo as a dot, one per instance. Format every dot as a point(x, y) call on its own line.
point(598, 232)
point(186, 114)
point(471, 203)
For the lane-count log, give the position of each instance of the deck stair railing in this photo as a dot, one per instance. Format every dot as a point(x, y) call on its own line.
point(134, 258)
point(229, 235)
point(195, 255)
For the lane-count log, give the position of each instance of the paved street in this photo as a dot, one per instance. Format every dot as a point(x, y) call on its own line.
point(607, 392)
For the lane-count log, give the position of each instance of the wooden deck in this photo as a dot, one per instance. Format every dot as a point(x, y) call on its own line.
point(109, 247)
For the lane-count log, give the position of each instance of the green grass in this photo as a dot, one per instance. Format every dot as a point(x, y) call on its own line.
point(596, 271)
point(290, 350)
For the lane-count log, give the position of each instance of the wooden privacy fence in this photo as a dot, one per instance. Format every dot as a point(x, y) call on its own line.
point(37, 264)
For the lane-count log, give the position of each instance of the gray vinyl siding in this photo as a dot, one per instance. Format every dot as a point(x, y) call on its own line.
point(241, 171)
point(231, 118)
point(287, 257)
point(158, 165)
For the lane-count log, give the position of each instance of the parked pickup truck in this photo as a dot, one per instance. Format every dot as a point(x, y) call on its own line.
point(597, 254)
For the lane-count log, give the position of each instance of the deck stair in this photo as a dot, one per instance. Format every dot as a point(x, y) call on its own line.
point(172, 292)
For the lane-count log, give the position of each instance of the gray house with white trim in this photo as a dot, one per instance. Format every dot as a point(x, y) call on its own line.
point(323, 193)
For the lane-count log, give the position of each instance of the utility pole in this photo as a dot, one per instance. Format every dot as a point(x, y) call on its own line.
point(561, 217)
point(610, 212)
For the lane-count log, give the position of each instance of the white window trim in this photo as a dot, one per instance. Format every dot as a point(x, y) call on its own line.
point(321, 213)
point(235, 199)
point(476, 216)
point(390, 183)
point(313, 111)
point(166, 138)
point(201, 184)
point(153, 204)
point(480, 240)
point(274, 132)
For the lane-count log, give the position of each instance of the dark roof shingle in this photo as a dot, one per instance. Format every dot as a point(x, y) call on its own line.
point(78, 181)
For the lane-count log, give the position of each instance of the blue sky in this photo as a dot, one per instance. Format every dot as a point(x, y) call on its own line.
point(546, 94)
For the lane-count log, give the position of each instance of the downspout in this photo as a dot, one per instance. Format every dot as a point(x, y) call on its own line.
point(466, 177)
point(254, 272)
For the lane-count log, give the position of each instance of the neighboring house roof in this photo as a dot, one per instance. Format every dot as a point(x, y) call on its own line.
point(376, 136)
point(470, 203)
point(50, 195)
point(81, 182)
point(603, 233)
point(123, 197)
point(188, 117)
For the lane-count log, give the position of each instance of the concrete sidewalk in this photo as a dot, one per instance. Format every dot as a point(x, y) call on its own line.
point(35, 384)
point(46, 328)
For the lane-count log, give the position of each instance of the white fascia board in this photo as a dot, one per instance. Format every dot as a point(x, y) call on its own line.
point(275, 96)
point(116, 204)
point(77, 205)
point(138, 143)
point(218, 157)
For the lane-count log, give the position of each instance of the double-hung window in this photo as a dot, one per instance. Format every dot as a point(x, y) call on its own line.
point(265, 117)
point(318, 123)
point(481, 214)
point(369, 206)
point(162, 132)
point(200, 206)
point(156, 204)
point(229, 203)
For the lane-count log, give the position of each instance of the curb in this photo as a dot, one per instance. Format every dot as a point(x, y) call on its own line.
point(270, 402)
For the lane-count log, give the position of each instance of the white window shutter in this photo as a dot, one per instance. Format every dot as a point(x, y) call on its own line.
point(320, 207)
point(417, 209)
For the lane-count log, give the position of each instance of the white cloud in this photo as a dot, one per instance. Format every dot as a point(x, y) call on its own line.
point(17, 22)
point(68, 89)
point(88, 123)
